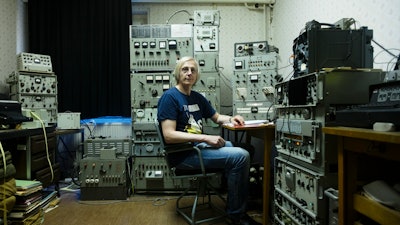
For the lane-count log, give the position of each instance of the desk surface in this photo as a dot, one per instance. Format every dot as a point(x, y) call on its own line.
point(68, 131)
point(16, 133)
point(248, 127)
point(362, 133)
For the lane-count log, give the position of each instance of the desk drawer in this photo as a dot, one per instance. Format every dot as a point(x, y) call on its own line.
point(38, 143)
point(382, 150)
point(44, 175)
point(41, 162)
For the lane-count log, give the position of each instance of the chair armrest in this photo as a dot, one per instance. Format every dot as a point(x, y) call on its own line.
point(179, 147)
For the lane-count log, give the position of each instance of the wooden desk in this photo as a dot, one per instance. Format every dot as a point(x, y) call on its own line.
point(266, 132)
point(30, 155)
point(355, 145)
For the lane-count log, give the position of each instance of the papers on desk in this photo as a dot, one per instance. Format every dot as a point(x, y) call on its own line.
point(251, 123)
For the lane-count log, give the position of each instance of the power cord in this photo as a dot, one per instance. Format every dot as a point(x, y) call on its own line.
point(179, 11)
point(4, 181)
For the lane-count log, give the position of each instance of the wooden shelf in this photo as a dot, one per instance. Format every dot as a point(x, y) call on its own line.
point(376, 211)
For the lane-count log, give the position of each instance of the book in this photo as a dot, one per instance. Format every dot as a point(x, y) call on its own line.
point(17, 214)
point(28, 191)
point(47, 198)
point(26, 184)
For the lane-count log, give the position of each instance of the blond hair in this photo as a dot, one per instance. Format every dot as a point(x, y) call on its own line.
point(179, 64)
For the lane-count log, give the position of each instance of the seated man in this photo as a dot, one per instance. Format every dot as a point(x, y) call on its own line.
point(180, 113)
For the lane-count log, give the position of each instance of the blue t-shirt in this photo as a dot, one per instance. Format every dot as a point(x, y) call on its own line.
point(187, 111)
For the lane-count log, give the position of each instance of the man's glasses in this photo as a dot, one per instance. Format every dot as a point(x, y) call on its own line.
point(186, 69)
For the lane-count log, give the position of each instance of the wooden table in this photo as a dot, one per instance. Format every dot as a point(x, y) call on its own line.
point(354, 146)
point(266, 132)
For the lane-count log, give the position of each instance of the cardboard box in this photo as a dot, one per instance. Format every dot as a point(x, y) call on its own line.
point(69, 120)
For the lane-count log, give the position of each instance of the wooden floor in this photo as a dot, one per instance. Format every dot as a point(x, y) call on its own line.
point(138, 209)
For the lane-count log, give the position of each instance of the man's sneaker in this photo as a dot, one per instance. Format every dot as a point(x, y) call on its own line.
point(244, 220)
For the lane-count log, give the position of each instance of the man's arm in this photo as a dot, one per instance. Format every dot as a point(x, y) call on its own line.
point(221, 119)
point(172, 136)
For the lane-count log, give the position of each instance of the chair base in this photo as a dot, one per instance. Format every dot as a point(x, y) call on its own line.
point(202, 201)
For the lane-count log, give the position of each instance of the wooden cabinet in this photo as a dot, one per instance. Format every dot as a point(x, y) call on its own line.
point(33, 154)
point(365, 155)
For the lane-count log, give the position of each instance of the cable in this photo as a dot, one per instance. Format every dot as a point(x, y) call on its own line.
point(384, 48)
point(4, 181)
point(179, 11)
point(47, 146)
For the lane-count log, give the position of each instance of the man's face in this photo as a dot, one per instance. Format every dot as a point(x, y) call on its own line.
point(188, 73)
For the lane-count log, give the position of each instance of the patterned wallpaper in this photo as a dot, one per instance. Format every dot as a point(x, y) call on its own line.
point(239, 24)
point(383, 17)
point(7, 41)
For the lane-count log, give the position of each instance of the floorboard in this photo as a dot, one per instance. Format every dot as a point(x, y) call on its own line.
point(138, 209)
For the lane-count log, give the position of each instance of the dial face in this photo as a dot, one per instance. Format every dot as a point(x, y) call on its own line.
point(140, 113)
point(149, 147)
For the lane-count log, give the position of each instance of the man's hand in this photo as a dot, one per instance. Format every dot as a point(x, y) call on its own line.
point(237, 120)
point(215, 141)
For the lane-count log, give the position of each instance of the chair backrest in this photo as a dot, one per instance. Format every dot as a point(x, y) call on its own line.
point(179, 147)
point(160, 134)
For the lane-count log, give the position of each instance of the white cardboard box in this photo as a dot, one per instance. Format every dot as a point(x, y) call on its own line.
point(69, 120)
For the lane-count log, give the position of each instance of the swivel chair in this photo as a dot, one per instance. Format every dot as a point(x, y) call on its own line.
point(202, 186)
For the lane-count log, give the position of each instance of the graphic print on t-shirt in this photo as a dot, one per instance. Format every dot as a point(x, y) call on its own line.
point(193, 126)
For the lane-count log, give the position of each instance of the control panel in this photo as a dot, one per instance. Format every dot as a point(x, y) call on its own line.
point(299, 193)
point(152, 174)
point(34, 63)
point(147, 141)
point(147, 88)
point(254, 78)
point(158, 47)
point(300, 139)
point(35, 91)
point(104, 178)
point(93, 147)
point(299, 184)
point(97, 172)
point(32, 83)
point(209, 86)
point(251, 48)
point(206, 38)
point(206, 17)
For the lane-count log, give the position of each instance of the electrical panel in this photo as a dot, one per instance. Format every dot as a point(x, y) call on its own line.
point(35, 91)
point(255, 75)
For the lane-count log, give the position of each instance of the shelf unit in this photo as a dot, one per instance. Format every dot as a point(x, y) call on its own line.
point(364, 155)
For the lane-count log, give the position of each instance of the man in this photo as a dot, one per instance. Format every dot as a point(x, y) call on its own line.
point(180, 113)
